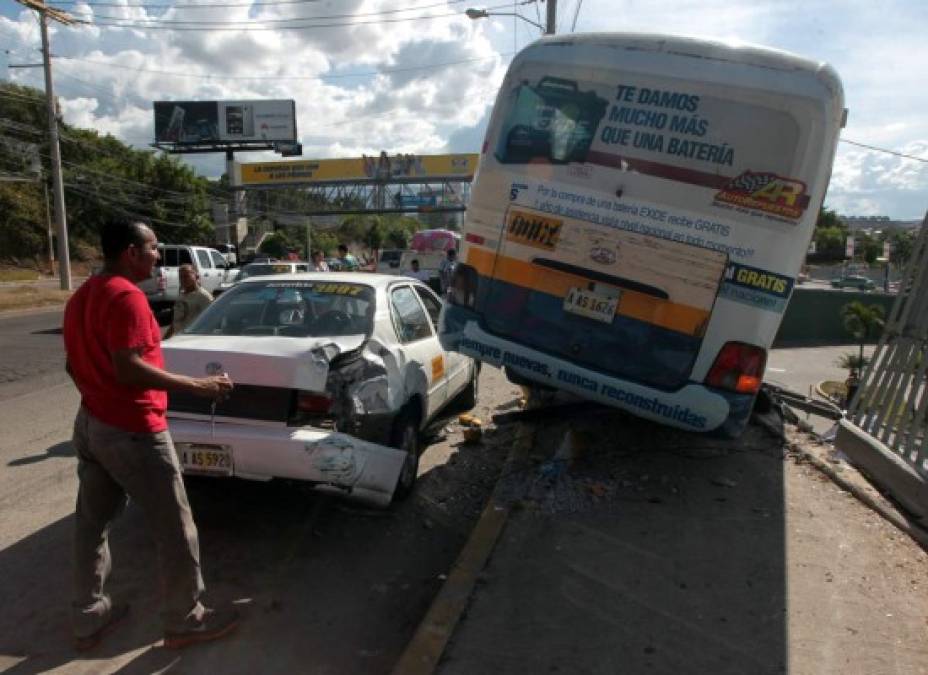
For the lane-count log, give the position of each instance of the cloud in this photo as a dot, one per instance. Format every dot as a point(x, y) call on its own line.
point(380, 84)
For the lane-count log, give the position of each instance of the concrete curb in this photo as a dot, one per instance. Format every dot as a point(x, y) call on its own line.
point(913, 530)
point(428, 643)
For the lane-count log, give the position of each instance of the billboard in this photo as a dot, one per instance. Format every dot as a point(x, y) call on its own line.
point(384, 167)
point(197, 122)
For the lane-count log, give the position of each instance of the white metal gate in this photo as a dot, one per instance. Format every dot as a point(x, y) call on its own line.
point(891, 403)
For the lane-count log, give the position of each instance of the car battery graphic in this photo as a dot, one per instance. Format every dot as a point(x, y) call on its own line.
point(552, 121)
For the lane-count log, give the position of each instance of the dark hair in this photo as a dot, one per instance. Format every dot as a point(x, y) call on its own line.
point(117, 235)
point(315, 253)
point(415, 262)
point(342, 247)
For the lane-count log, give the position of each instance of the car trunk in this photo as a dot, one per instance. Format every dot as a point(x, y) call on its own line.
point(265, 371)
point(622, 303)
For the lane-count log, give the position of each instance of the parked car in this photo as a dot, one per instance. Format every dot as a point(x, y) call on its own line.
point(853, 281)
point(163, 288)
point(229, 252)
point(388, 262)
point(336, 375)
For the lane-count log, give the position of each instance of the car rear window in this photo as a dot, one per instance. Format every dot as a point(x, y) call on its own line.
point(291, 309)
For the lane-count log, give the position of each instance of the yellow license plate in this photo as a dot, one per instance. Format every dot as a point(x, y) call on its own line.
point(213, 460)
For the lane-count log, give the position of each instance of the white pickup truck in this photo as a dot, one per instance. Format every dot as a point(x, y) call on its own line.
point(163, 288)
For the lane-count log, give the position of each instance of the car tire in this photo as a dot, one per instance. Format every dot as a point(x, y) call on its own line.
point(468, 397)
point(405, 436)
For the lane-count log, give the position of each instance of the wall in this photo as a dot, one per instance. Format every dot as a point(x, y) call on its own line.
point(813, 316)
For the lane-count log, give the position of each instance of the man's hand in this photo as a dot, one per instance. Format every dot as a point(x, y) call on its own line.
point(216, 387)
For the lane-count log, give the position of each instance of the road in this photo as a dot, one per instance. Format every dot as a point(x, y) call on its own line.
point(325, 587)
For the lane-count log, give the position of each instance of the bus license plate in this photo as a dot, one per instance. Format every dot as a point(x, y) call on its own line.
point(203, 459)
point(591, 305)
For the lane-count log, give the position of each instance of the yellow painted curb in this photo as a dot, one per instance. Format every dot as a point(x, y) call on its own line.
point(423, 652)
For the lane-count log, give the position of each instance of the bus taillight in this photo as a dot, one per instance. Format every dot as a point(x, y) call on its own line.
point(739, 367)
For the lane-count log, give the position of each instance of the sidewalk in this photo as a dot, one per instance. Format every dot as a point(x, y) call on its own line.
point(651, 551)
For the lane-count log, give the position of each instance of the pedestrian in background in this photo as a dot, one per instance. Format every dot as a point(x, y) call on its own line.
point(348, 262)
point(416, 273)
point(192, 301)
point(446, 270)
point(318, 262)
point(123, 447)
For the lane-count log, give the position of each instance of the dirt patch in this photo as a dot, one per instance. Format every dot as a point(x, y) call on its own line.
point(22, 297)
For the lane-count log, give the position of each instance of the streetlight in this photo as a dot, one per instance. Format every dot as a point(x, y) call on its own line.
point(484, 14)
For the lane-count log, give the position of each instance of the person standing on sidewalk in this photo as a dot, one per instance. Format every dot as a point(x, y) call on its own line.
point(192, 301)
point(123, 446)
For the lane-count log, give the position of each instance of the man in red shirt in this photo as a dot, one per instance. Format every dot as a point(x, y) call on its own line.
point(121, 438)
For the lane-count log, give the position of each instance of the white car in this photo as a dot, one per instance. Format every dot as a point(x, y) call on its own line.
point(336, 375)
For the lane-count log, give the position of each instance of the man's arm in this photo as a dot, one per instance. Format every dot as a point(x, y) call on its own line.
point(133, 371)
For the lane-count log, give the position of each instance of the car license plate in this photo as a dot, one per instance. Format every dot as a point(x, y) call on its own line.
point(591, 304)
point(205, 459)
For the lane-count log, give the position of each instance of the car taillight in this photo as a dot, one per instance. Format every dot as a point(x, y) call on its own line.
point(738, 367)
point(313, 402)
point(464, 286)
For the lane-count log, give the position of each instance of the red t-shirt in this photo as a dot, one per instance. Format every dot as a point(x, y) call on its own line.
point(106, 314)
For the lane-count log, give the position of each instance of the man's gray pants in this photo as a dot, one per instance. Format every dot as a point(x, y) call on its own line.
point(113, 464)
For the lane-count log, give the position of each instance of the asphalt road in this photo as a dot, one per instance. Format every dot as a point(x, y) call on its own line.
point(325, 587)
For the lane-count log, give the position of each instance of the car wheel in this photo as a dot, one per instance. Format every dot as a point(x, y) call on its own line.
point(468, 395)
point(406, 437)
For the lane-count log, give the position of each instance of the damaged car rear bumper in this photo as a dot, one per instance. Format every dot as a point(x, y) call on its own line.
point(331, 461)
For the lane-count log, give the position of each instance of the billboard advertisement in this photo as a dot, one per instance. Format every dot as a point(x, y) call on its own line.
point(384, 167)
point(197, 122)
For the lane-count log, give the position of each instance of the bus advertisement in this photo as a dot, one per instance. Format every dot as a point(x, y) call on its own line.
point(641, 210)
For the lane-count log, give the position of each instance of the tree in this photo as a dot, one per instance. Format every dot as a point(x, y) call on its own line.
point(277, 245)
point(862, 321)
point(902, 242)
point(828, 218)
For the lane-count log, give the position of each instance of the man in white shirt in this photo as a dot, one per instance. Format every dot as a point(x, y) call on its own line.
point(420, 274)
point(192, 301)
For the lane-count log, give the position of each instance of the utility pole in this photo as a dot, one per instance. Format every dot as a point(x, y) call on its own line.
point(61, 220)
point(551, 24)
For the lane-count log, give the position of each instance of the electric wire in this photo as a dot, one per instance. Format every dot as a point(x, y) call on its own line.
point(76, 13)
point(257, 25)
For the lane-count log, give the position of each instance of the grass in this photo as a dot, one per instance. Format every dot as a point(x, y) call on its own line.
point(13, 274)
point(24, 297)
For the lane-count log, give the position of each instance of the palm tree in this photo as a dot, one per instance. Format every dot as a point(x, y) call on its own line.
point(862, 321)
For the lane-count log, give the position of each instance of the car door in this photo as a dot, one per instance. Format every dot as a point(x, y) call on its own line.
point(221, 268)
point(209, 277)
point(457, 369)
point(419, 341)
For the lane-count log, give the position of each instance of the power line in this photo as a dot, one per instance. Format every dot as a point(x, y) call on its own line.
point(573, 25)
point(888, 152)
point(183, 5)
point(320, 17)
point(154, 24)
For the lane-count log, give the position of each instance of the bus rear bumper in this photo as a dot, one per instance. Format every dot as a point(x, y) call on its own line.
point(693, 407)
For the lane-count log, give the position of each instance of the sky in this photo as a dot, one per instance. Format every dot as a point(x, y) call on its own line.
point(418, 76)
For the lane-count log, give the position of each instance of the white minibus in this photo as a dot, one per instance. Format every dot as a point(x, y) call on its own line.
point(641, 210)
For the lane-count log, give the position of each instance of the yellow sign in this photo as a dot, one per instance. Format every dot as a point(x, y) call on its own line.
point(531, 229)
point(384, 167)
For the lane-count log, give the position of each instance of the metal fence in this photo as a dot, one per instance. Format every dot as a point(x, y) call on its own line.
point(891, 403)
